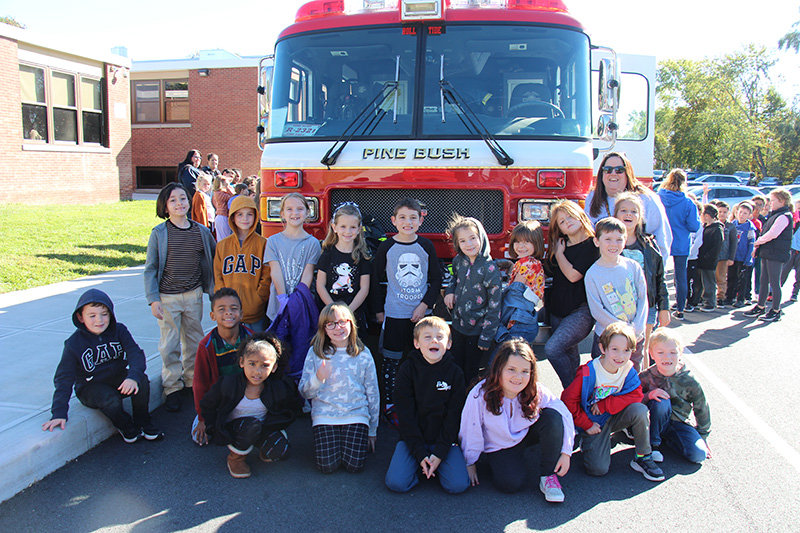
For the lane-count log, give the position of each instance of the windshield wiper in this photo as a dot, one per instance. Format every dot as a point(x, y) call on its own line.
point(366, 122)
point(472, 122)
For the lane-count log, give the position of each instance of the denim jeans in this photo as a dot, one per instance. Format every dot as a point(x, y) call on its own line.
point(404, 470)
point(561, 348)
point(679, 436)
point(681, 281)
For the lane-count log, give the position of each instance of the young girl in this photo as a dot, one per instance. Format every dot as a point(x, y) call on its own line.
point(252, 408)
point(343, 268)
point(526, 283)
point(572, 252)
point(642, 249)
point(510, 411)
point(177, 271)
point(222, 193)
point(474, 295)
point(291, 254)
point(339, 377)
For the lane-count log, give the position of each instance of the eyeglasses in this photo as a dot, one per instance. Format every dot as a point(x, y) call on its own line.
point(613, 170)
point(330, 326)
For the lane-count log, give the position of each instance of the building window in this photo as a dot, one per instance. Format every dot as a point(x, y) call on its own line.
point(52, 102)
point(155, 177)
point(161, 101)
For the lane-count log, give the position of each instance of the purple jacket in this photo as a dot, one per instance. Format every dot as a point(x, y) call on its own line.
point(296, 325)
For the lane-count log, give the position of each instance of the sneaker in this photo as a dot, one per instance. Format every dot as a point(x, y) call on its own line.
point(738, 304)
point(391, 417)
point(688, 308)
point(793, 297)
point(130, 436)
point(674, 307)
point(150, 432)
point(647, 467)
point(772, 316)
point(173, 402)
point(551, 488)
point(724, 304)
point(657, 456)
point(755, 311)
point(708, 308)
point(677, 315)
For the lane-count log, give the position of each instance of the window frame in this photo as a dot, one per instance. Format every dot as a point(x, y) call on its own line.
point(168, 174)
point(162, 101)
point(77, 108)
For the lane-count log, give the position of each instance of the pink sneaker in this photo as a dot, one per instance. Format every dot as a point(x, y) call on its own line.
point(551, 488)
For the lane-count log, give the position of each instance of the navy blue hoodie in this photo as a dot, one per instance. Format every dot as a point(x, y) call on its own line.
point(89, 357)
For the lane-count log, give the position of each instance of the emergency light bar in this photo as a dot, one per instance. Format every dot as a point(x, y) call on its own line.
point(421, 10)
point(533, 5)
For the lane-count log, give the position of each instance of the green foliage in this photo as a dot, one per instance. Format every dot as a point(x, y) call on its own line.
point(47, 244)
point(12, 22)
point(724, 115)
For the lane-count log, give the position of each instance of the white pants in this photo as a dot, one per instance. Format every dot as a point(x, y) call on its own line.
point(181, 333)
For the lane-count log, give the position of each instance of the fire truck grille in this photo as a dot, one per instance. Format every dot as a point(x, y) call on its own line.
point(485, 205)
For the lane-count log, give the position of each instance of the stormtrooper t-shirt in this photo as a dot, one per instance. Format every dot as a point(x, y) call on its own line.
point(412, 276)
point(343, 276)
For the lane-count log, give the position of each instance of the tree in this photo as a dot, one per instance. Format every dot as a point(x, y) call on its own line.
point(791, 39)
point(12, 22)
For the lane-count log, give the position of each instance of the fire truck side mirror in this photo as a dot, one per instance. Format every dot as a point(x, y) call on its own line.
point(606, 128)
point(608, 85)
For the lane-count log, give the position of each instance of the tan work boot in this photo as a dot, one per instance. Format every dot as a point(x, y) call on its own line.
point(237, 462)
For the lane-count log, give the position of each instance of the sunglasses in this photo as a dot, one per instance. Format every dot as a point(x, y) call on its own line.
point(613, 170)
point(330, 326)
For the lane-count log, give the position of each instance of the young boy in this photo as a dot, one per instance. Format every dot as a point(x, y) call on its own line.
point(740, 274)
point(671, 394)
point(104, 364)
point(604, 398)
point(429, 396)
point(216, 354)
point(727, 253)
point(409, 265)
point(615, 287)
point(708, 254)
point(238, 263)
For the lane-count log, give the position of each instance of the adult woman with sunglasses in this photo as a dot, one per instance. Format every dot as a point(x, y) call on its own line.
point(684, 220)
point(615, 176)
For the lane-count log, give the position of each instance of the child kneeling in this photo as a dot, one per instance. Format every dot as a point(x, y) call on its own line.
point(429, 395)
point(339, 378)
point(672, 393)
point(508, 412)
point(254, 407)
point(604, 398)
point(105, 365)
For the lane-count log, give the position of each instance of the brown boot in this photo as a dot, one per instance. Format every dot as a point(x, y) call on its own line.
point(237, 462)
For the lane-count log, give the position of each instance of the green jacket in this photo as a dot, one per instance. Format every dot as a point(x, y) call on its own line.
point(685, 394)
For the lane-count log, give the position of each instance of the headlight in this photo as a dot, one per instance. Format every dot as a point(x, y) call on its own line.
point(273, 212)
point(534, 210)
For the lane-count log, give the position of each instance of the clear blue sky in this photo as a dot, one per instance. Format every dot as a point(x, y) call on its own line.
point(169, 30)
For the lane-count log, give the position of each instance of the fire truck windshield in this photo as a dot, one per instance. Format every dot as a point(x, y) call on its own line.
point(520, 81)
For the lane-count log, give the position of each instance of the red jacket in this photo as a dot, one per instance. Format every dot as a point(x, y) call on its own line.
point(575, 399)
point(206, 369)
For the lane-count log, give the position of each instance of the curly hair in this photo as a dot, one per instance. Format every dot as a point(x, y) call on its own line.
point(269, 343)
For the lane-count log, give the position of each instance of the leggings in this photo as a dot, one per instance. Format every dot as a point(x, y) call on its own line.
point(681, 281)
point(561, 348)
point(770, 280)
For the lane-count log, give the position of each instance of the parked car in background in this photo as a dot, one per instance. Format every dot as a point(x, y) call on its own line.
point(769, 181)
point(796, 181)
point(717, 178)
point(744, 176)
point(658, 175)
point(732, 194)
point(765, 190)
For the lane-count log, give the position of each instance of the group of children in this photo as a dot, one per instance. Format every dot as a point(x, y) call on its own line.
point(245, 386)
point(730, 243)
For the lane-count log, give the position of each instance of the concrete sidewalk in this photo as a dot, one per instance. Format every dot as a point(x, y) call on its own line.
point(33, 327)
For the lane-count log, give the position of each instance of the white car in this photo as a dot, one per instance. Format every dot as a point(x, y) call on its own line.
point(733, 194)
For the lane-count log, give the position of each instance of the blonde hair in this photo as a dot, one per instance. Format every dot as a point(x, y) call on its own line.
point(457, 222)
point(782, 194)
point(622, 329)
point(528, 231)
point(430, 322)
point(630, 197)
point(360, 244)
point(664, 335)
point(321, 343)
point(555, 234)
point(296, 196)
point(675, 180)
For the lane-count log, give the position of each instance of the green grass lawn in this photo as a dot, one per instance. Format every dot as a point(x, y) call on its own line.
point(46, 244)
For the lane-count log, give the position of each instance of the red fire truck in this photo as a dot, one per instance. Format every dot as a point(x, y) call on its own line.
point(476, 107)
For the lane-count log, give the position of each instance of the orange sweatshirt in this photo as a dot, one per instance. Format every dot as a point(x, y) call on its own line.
point(240, 266)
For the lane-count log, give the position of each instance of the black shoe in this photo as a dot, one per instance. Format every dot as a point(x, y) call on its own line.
point(648, 468)
point(173, 402)
point(724, 304)
point(708, 309)
point(738, 304)
point(130, 435)
point(793, 297)
point(688, 308)
point(772, 316)
point(755, 311)
point(677, 315)
point(187, 391)
point(150, 432)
